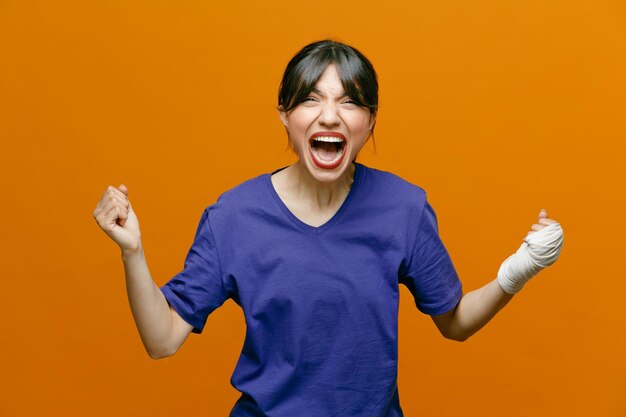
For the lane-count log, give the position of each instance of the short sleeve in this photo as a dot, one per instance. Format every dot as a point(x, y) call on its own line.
point(431, 276)
point(198, 289)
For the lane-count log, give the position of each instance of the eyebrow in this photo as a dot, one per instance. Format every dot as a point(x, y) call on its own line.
point(316, 91)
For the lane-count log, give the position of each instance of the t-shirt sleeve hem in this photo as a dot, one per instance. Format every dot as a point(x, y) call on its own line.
point(442, 308)
point(177, 304)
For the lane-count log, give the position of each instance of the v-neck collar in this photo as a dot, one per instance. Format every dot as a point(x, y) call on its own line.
point(307, 228)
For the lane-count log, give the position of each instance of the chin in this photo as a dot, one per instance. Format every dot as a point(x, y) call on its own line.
point(325, 174)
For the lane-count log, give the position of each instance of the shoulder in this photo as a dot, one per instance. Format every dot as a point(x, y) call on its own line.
point(392, 187)
point(243, 193)
point(246, 197)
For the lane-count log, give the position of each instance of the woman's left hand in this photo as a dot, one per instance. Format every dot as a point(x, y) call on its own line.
point(538, 251)
point(543, 221)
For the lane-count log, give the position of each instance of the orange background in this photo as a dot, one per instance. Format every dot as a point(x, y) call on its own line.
point(496, 108)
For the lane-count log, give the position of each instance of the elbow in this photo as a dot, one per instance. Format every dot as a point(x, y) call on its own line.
point(457, 337)
point(159, 353)
point(155, 355)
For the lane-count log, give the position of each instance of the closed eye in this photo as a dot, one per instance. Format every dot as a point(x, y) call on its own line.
point(347, 101)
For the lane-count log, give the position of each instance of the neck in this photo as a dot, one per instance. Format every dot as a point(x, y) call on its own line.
point(320, 194)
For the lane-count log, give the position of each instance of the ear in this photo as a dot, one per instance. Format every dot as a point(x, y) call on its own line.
point(372, 120)
point(283, 116)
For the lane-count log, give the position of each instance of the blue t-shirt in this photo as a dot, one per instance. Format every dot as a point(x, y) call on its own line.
point(320, 303)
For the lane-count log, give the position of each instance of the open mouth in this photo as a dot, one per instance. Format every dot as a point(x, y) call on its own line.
point(327, 151)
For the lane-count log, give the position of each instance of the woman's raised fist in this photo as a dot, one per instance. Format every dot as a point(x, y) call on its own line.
point(115, 216)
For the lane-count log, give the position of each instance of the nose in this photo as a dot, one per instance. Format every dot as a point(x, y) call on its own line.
point(329, 115)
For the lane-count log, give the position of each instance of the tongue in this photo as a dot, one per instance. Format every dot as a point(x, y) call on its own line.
point(326, 151)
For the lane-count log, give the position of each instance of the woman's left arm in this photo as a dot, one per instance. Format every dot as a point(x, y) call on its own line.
point(478, 307)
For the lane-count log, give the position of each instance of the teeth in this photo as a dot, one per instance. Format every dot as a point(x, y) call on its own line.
point(327, 139)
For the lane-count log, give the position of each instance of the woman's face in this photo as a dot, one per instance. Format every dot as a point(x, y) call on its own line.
point(328, 130)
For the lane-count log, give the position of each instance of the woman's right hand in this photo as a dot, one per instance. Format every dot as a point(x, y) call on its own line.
point(114, 214)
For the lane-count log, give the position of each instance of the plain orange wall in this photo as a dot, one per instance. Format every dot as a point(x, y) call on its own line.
point(496, 108)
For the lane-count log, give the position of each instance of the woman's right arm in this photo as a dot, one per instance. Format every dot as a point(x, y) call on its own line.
point(161, 328)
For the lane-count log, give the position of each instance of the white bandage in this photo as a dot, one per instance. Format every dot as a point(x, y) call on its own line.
point(539, 250)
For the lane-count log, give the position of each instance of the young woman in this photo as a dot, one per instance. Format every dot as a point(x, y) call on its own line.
point(313, 253)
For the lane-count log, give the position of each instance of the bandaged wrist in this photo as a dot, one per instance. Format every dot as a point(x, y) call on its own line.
point(539, 250)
